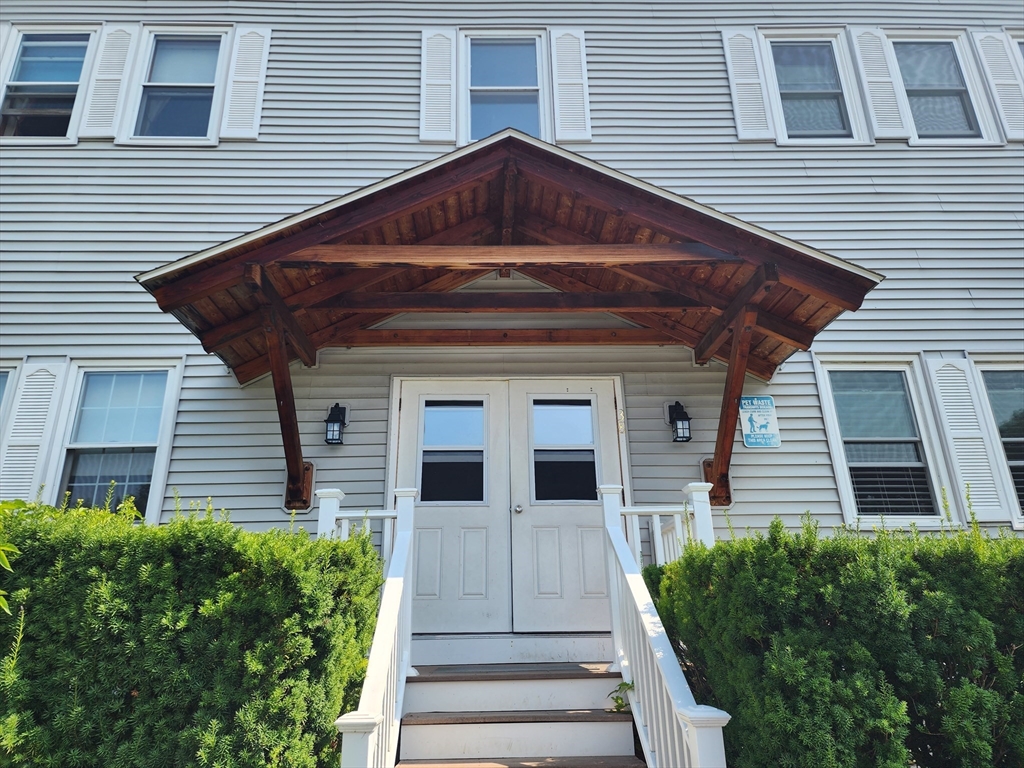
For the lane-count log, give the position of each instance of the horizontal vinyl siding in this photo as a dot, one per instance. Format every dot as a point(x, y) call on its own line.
point(228, 443)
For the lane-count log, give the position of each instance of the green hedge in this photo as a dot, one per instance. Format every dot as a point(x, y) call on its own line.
point(189, 644)
point(855, 650)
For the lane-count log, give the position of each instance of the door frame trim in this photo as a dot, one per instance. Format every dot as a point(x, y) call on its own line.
point(394, 403)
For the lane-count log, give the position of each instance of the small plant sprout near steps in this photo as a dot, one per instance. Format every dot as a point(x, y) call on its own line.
point(618, 696)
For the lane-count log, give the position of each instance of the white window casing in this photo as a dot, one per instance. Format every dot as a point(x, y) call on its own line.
point(1004, 76)
point(887, 109)
point(980, 365)
point(104, 100)
point(11, 36)
point(24, 451)
point(246, 79)
point(973, 451)
point(437, 85)
point(747, 85)
point(570, 92)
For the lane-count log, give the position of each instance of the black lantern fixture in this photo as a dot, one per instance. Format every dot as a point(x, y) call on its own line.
point(679, 419)
point(335, 422)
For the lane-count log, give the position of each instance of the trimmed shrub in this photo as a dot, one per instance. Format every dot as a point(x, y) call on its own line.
point(189, 644)
point(854, 651)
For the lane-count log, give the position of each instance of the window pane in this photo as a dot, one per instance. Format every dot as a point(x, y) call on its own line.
point(803, 67)
point(493, 112)
point(882, 453)
point(941, 115)
point(453, 423)
point(814, 116)
point(50, 59)
point(3, 387)
point(1006, 395)
point(502, 63)
point(872, 404)
point(892, 491)
point(562, 422)
point(174, 111)
point(452, 476)
point(91, 472)
point(565, 475)
point(928, 65)
point(185, 61)
point(111, 409)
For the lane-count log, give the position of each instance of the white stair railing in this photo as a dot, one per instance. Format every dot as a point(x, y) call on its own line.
point(672, 526)
point(370, 733)
point(675, 731)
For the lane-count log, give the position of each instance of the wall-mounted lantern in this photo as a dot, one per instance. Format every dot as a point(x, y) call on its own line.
point(679, 420)
point(335, 422)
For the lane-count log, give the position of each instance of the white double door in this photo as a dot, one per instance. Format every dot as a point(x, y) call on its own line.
point(509, 529)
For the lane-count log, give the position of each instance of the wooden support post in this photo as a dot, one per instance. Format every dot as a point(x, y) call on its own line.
point(299, 490)
point(716, 471)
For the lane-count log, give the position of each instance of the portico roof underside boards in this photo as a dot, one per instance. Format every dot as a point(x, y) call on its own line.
point(675, 271)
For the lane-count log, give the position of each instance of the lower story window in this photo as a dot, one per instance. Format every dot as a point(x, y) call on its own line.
point(115, 435)
point(882, 443)
point(1006, 395)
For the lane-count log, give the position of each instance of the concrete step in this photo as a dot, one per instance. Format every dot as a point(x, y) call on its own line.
point(621, 761)
point(504, 687)
point(516, 734)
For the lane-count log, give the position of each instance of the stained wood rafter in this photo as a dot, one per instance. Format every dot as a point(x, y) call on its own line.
point(765, 278)
point(264, 291)
point(491, 302)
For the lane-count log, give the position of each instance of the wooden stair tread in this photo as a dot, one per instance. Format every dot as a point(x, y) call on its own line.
point(518, 716)
point(528, 762)
point(490, 672)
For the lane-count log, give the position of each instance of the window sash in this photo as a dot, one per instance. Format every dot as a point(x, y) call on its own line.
point(918, 92)
point(177, 108)
point(789, 95)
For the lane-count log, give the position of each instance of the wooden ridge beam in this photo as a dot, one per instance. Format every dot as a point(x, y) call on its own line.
point(299, 488)
point(508, 203)
point(189, 288)
point(717, 470)
point(449, 337)
point(829, 283)
point(757, 287)
point(221, 336)
point(597, 301)
point(264, 291)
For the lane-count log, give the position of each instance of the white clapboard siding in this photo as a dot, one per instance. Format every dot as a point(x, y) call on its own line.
point(437, 85)
point(243, 101)
point(974, 451)
point(747, 82)
point(105, 95)
point(888, 110)
point(27, 443)
point(1005, 80)
point(5, 35)
point(571, 95)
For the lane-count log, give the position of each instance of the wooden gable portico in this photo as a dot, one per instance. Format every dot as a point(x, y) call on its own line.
point(677, 272)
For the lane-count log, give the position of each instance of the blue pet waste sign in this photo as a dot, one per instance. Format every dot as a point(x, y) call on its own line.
point(760, 426)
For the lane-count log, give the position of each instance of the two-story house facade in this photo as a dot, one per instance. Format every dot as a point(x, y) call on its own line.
point(802, 226)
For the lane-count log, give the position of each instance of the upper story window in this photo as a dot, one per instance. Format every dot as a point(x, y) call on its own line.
point(936, 91)
point(504, 86)
point(42, 89)
point(813, 104)
point(178, 90)
point(1006, 396)
point(474, 83)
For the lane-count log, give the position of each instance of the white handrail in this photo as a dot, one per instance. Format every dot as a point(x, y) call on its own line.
point(692, 520)
point(370, 733)
point(334, 522)
point(674, 730)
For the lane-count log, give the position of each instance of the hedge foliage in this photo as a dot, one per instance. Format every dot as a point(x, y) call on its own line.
point(189, 644)
point(890, 650)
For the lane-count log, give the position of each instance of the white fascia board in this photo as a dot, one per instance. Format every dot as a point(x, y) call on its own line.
point(299, 218)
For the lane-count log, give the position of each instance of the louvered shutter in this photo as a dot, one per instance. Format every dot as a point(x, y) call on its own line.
point(23, 462)
point(437, 85)
point(572, 100)
point(247, 74)
point(880, 78)
point(973, 454)
point(104, 101)
point(746, 81)
point(1004, 81)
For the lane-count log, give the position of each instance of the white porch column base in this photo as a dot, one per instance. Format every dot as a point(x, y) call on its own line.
point(699, 498)
point(330, 506)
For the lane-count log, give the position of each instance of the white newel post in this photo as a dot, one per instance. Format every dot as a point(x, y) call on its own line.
point(709, 744)
point(699, 498)
point(610, 495)
point(330, 506)
point(358, 737)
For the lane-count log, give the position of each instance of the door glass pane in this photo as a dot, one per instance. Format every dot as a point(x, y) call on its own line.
point(562, 422)
point(565, 475)
point(453, 423)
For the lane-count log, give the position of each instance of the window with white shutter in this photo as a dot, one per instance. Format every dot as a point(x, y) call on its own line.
point(888, 111)
point(1002, 60)
point(41, 92)
point(1005, 390)
point(29, 428)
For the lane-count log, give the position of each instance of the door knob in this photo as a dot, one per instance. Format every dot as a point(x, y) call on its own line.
point(519, 509)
